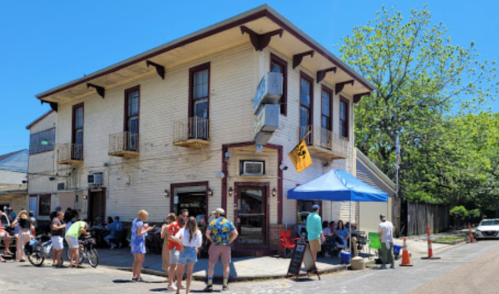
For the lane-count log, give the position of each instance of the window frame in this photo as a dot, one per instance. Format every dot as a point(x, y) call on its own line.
point(126, 115)
point(192, 71)
point(330, 92)
point(73, 127)
point(284, 98)
point(310, 80)
point(347, 115)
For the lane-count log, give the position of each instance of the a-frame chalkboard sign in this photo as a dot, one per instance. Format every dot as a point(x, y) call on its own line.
point(302, 254)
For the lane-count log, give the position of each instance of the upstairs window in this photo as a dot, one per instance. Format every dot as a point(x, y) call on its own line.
point(326, 109)
point(132, 105)
point(279, 65)
point(344, 117)
point(42, 141)
point(199, 91)
point(77, 136)
point(306, 106)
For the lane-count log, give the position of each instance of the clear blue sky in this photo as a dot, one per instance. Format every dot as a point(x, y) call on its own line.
point(48, 43)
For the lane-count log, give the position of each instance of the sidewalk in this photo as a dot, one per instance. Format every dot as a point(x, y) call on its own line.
point(252, 268)
point(241, 269)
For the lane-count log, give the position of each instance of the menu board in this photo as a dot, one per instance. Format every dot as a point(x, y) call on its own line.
point(301, 254)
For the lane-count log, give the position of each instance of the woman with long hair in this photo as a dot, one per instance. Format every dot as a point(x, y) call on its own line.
point(342, 232)
point(192, 239)
point(138, 244)
point(24, 236)
point(165, 252)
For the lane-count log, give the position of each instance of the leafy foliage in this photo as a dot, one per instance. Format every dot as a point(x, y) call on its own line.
point(430, 92)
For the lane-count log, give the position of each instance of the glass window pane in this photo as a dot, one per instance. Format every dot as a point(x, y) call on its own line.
point(79, 118)
point(342, 111)
point(133, 103)
point(201, 108)
point(200, 86)
point(304, 116)
point(305, 93)
point(325, 123)
point(277, 68)
point(326, 103)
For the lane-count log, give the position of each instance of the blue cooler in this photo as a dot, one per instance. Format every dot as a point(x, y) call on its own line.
point(345, 257)
point(396, 251)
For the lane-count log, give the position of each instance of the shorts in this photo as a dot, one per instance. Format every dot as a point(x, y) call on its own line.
point(72, 242)
point(315, 245)
point(57, 243)
point(221, 251)
point(3, 235)
point(189, 256)
point(174, 256)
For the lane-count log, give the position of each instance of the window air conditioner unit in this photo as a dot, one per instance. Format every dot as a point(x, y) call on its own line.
point(95, 179)
point(252, 168)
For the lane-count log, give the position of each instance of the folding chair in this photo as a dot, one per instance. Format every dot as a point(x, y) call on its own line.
point(374, 243)
point(287, 244)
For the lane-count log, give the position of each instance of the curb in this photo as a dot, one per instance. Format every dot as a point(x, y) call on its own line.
point(336, 268)
point(452, 242)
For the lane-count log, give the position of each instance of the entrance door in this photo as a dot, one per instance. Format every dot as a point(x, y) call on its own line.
point(193, 197)
point(251, 215)
point(96, 205)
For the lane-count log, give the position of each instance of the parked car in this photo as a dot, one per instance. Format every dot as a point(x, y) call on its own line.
point(488, 228)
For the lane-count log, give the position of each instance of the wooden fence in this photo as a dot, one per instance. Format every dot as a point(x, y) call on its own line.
point(419, 215)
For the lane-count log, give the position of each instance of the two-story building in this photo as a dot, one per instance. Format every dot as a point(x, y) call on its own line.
point(173, 127)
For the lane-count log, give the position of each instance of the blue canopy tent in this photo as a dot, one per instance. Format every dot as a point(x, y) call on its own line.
point(338, 185)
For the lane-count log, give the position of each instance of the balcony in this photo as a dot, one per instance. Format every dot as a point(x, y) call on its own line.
point(191, 132)
point(323, 143)
point(69, 153)
point(124, 144)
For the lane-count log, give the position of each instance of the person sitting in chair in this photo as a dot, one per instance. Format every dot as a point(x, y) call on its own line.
point(115, 228)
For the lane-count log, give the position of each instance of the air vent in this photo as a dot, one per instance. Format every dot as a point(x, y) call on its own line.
point(252, 168)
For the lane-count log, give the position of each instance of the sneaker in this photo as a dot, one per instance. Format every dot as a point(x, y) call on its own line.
point(172, 287)
point(182, 285)
point(113, 246)
point(225, 288)
point(134, 279)
point(383, 267)
point(392, 266)
point(209, 289)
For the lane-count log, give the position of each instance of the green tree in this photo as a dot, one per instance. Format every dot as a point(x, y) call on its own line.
point(421, 78)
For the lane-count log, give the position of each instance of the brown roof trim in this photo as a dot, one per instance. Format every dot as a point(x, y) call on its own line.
point(259, 12)
point(39, 119)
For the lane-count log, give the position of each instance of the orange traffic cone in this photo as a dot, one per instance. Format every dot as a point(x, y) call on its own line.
point(471, 234)
point(406, 261)
point(430, 249)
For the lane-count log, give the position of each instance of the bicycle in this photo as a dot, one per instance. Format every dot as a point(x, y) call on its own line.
point(37, 250)
point(86, 251)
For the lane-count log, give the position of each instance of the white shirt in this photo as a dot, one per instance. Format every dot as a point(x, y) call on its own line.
point(386, 230)
point(184, 235)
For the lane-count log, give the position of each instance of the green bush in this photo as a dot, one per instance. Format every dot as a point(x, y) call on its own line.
point(475, 213)
point(459, 212)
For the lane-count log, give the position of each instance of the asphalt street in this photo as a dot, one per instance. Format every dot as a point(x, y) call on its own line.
point(469, 268)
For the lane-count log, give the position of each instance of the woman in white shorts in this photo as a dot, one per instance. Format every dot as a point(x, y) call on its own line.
point(57, 230)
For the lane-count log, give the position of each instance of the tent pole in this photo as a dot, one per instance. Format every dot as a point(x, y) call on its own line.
point(350, 227)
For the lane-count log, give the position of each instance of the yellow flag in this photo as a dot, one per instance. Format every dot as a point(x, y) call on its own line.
point(301, 157)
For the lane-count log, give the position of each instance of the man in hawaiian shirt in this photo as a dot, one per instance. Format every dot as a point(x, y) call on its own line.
point(221, 232)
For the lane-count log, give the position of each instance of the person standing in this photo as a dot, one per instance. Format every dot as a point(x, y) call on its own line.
point(314, 231)
point(174, 246)
point(386, 232)
point(72, 235)
point(24, 235)
point(192, 239)
point(54, 213)
point(57, 230)
point(221, 233)
point(11, 214)
point(165, 254)
point(138, 244)
point(4, 235)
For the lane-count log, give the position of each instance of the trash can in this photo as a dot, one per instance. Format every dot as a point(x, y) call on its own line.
point(345, 257)
point(396, 251)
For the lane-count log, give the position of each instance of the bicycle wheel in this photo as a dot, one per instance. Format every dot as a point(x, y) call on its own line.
point(93, 257)
point(36, 258)
point(80, 256)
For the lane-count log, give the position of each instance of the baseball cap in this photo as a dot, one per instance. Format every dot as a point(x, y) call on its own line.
point(382, 216)
point(57, 208)
point(315, 207)
point(219, 211)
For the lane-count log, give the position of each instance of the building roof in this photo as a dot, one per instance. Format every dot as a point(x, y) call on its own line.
point(260, 19)
point(15, 161)
point(363, 159)
point(38, 119)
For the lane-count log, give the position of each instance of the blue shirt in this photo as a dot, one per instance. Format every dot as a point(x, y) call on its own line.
point(114, 227)
point(314, 226)
point(343, 233)
point(220, 231)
